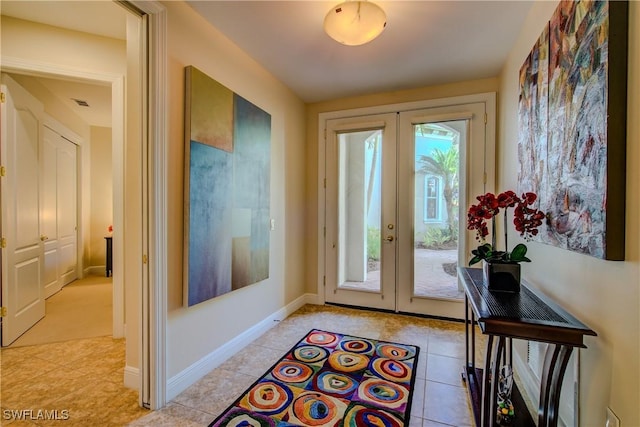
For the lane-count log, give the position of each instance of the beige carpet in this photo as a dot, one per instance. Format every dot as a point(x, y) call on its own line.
point(82, 309)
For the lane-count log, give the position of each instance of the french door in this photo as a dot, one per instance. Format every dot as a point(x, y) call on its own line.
point(397, 188)
point(361, 211)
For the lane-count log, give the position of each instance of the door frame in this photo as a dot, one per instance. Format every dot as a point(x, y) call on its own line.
point(150, 377)
point(488, 98)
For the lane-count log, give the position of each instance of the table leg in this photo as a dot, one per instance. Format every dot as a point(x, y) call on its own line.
point(466, 333)
point(498, 357)
point(486, 384)
point(556, 359)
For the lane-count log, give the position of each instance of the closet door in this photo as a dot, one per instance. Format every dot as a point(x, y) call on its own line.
point(59, 211)
point(67, 210)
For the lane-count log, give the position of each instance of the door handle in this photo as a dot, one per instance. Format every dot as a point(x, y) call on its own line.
point(43, 237)
point(389, 238)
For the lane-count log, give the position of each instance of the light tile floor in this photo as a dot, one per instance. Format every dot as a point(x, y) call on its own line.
point(85, 377)
point(81, 380)
point(440, 397)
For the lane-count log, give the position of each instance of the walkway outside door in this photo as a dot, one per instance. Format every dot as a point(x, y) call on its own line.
point(397, 188)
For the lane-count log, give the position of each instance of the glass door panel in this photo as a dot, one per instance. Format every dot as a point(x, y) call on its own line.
point(440, 162)
point(360, 214)
point(436, 175)
point(360, 235)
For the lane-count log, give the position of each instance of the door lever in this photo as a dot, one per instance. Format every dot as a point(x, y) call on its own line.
point(389, 238)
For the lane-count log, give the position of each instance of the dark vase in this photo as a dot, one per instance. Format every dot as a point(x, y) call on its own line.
point(501, 276)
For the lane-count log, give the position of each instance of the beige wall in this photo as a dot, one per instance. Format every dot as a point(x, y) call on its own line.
point(53, 106)
point(197, 331)
point(101, 188)
point(70, 49)
point(312, 112)
point(603, 294)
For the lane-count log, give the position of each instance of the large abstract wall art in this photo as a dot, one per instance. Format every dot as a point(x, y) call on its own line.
point(227, 190)
point(572, 126)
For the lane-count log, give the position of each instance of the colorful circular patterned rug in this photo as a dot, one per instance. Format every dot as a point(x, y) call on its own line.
point(330, 379)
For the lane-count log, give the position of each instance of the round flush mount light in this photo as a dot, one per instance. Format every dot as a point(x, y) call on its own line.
point(354, 23)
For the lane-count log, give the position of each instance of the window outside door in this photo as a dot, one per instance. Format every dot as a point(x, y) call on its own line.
point(397, 188)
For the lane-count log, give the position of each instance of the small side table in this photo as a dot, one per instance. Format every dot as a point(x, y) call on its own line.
point(109, 261)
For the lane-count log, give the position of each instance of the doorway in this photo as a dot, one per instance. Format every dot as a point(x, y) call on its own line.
point(145, 315)
point(397, 187)
point(67, 169)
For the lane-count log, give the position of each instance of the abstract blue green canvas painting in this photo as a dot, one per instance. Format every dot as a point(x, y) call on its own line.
point(227, 190)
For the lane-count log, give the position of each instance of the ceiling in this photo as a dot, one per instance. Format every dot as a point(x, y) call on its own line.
point(424, 43)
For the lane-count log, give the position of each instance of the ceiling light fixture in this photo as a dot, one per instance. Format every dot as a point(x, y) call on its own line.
point(353, 23)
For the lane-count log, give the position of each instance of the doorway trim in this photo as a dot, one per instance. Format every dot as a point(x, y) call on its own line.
point(488, 98)
point(153, 351)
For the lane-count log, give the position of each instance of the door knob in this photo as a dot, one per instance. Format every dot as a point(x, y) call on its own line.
point(389, 238)
point(43, 237)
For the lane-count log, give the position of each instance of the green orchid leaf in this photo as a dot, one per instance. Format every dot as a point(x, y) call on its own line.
point(485, 249)
point(476, 259)
point(518, 253)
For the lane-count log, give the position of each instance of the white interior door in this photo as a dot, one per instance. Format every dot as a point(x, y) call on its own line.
point(22, 248)
point(59, 211)
point(360, 248)
point(67, 183)
point(49, 212)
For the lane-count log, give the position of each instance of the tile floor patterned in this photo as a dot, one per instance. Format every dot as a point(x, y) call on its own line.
point(440, 397)
point(79, 382)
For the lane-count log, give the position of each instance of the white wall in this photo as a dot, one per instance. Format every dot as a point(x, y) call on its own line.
point(603, 294)
point(194, 333)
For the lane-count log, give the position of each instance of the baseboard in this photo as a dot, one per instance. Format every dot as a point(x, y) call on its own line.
point(95, 270)
point(132, 377)
point(181, 381)
point(313, 299)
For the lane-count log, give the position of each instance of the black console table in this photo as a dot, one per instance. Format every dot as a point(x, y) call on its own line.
point(502, 316)
point(109, 256)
